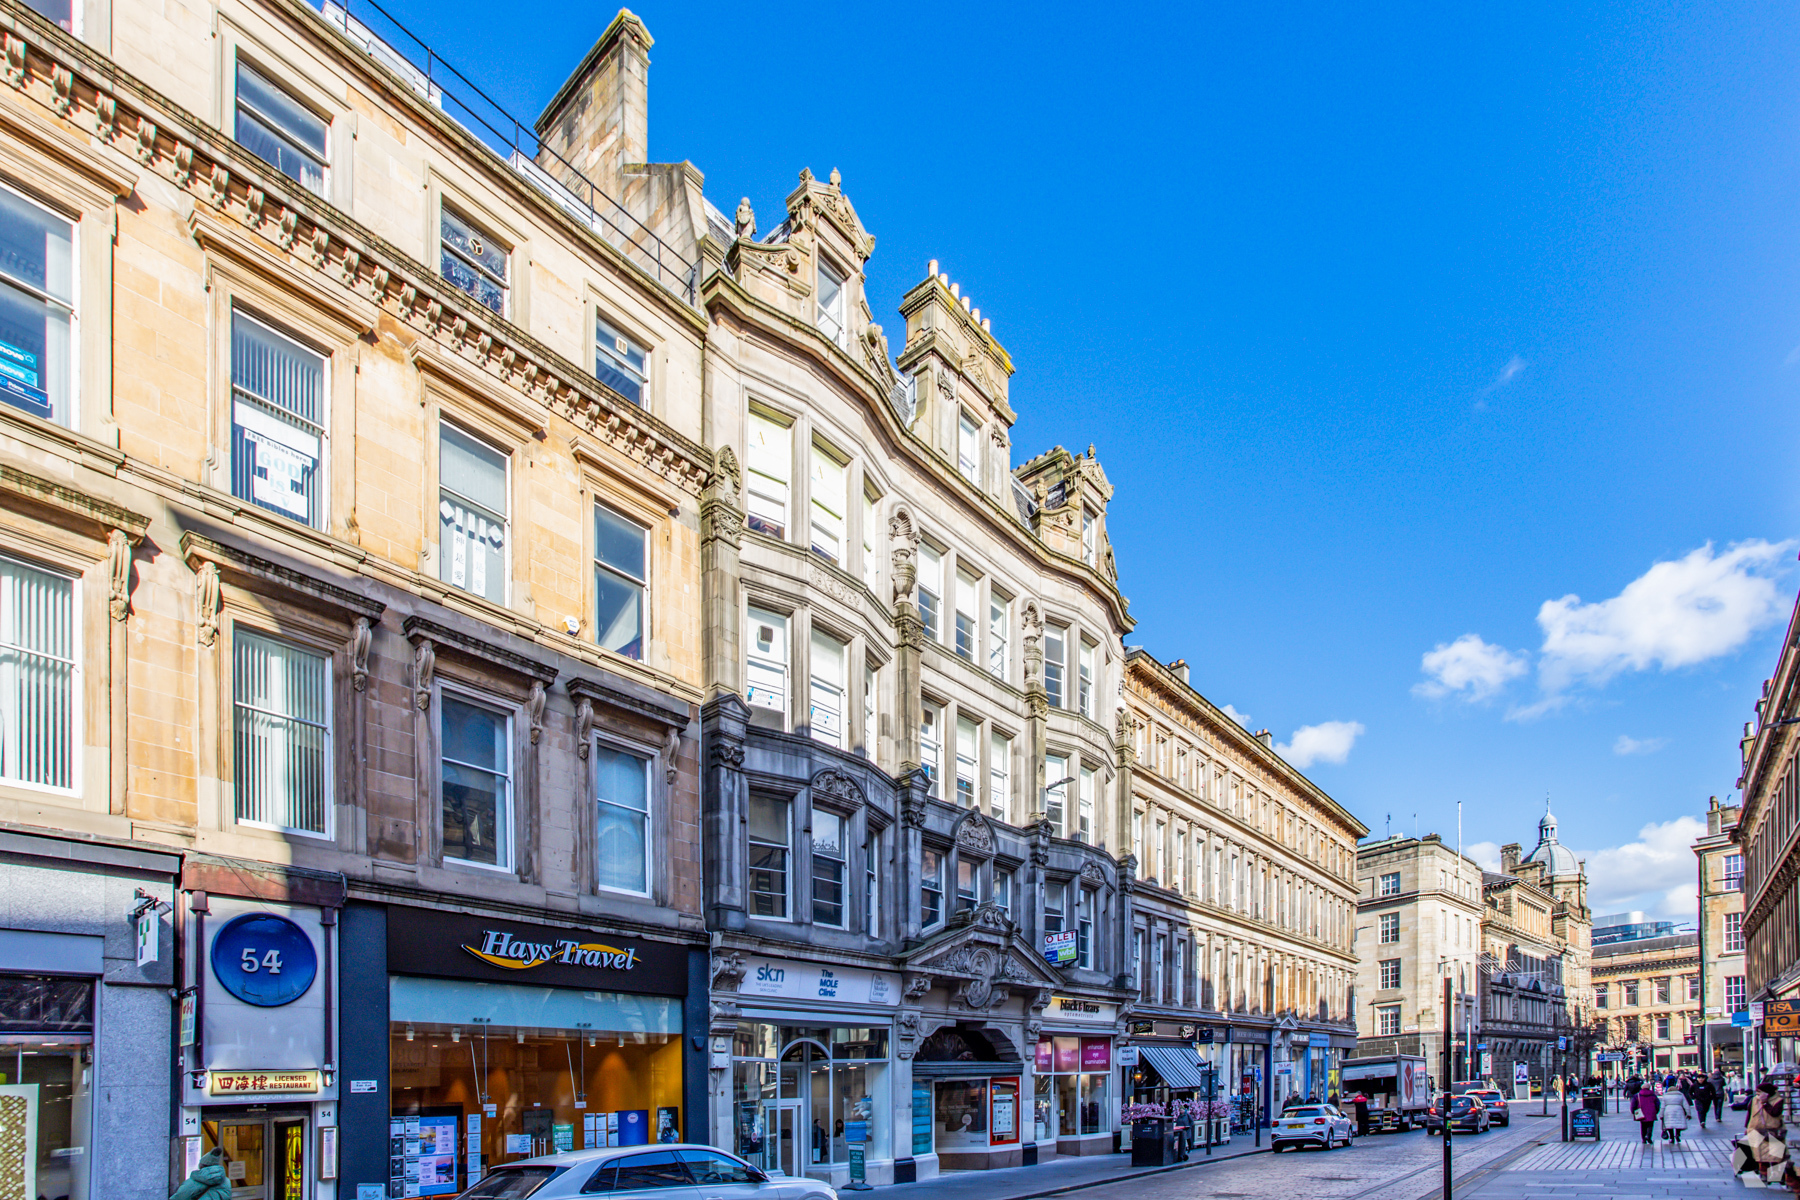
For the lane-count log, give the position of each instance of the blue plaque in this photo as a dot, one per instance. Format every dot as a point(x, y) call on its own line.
point(264, 960)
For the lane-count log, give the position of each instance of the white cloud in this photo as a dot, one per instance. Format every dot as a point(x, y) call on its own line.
point(1328, 741)
point(1655, 873)
point(1241, 718)
point(1630, 745)
point(1468, 667)
point(1485, 854)
point(1676, 614)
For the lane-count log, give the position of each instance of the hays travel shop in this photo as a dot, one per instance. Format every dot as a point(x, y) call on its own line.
point(502, 949)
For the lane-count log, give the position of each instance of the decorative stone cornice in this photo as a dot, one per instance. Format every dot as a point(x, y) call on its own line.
point(244, 206)
point(260, 574)
point(68, 507)
point(423, 630)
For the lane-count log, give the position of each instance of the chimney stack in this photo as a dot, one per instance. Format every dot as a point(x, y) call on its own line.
point(599, 120)
point(1180, 667)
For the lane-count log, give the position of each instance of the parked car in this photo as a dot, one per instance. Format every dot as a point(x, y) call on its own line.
point(642, 1173)
point(1467, 1115)
point(1494, 1101)
point(1320, 1125)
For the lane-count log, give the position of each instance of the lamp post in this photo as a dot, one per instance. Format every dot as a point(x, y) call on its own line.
point(1444, 1104)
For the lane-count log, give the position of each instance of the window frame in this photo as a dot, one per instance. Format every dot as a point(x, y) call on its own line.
point(471, 431)
point(785, 624)
point(328, 701)
point(1058, 695)
point(642, 585)
point(968, 781)
point(602, 326)
point(1087, 676)
point(1386, 1015)
point(837, 313)
point(966, 629)
point(450, 211)
point(1387, 884)
point(77, 680)
point(931, 715)
point(281, 84)
point(1388, 967)
point(822, 460)
point(816, 686)
point(999, 633)
point(1000, 773)
point(650, 760)
point(507, 826)
point(1388, 922)
point(1734, 933)
point(787, 869)
point(324, 477)
point(1058, 816)
point(72, 368)
point(968, 457)
point(932, 614)
point(781, 428)
point(926, 880)
point(843, 868)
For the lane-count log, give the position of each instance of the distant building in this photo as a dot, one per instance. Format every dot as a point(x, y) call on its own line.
point(1629, 927)
point(1419, 917)
point(1646, 993)
point(1723, 986)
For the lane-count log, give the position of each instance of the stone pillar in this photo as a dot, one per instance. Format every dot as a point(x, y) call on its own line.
point(1037, 705)
point(721, 534)
point(903, 538)
point(913, 796)
point(724, 802)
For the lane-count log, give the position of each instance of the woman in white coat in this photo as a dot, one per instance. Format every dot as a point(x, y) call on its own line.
point(1675, 1114)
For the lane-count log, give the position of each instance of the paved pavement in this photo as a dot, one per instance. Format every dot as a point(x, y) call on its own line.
point(1527, 1161)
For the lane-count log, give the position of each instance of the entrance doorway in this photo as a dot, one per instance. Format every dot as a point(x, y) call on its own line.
point(265, 1154)
point(782, 1123)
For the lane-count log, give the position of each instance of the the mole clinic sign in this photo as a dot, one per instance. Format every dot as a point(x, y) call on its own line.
point(812, 981)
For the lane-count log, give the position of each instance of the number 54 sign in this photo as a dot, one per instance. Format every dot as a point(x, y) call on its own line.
point(264, 959)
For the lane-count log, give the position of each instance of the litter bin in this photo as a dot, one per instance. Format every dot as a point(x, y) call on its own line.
point(1152, 1142)
point(1594, 1100)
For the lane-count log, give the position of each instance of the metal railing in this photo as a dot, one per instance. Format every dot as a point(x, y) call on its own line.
point(383, 38)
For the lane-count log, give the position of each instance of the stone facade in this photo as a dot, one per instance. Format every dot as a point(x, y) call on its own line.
point(1646, 1001)
point(1724, 990)
point(1245, 905)
point(1767, 816)
point(1419, 921)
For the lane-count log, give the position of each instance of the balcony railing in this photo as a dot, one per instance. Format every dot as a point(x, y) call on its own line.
point(381, 36)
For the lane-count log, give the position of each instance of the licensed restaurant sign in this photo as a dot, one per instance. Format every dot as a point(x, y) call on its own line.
point(461, 946)
point(235, 1083)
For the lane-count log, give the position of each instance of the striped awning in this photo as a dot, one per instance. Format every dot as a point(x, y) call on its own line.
point(1179, 1066)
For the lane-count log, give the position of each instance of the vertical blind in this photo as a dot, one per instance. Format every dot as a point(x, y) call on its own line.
point(37, 676)
point(282, 728)
point(277, 421)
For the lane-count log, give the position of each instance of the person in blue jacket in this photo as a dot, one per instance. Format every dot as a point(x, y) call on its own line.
point(208, 1182)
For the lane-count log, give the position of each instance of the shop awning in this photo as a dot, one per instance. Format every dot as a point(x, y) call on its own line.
point(1179, 1066)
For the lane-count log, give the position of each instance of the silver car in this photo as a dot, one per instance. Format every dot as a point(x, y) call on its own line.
point(678, 1172)
point(1320, 1125)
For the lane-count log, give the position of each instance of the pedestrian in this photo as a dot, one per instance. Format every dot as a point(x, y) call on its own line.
point(1721, 1094)
point(1674, 1112)
point(1643, 1107)
point(1703, 1098)
point(1765, 1128)
point(208, 1182)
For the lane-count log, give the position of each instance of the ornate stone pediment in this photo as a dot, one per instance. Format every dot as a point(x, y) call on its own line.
point(839, 786)
point(975, 837)
point(983, 965)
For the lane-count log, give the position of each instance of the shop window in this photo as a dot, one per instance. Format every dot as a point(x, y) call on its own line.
point(1056, 792)
point(826, 714)
point(481, 1075)
point(770, 826)
point(37, 308)
point(769, 480)
point(930, 585)
point(277, 422)
point(39, 669)
point(828, 907)
point(622, 821)
point(968, 737)
point(827, 503)
point(620, 363)
point(472, 514)
point(472, 260)
point(968, 885)
point(46, 1071)
point(766, 668)
point(281, 746)
point(1056, 640)
point(1074, 1076)
point(621, 579)
point(280, 130)
point(803, 1097)
point(476, 764)
point(931, 889)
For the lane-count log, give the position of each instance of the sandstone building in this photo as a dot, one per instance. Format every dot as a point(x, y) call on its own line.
point(1764, 832)
point(1646, 998)
point(1724, 990)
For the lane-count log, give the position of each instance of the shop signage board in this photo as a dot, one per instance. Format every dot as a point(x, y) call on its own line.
point(1060, 948)
point(460, 946)
point(1075, 1008)
point(1781, 1018)
point(1741, 1019)
point(791, 980)
point(264, 959)
point(233, 1083)
point(149, 928)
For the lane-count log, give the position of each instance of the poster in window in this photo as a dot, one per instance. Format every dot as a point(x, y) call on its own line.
point(961, 1116)
point(437, 1156)
point(1003, 1112)
point(668, 1124)
point(18, 1140)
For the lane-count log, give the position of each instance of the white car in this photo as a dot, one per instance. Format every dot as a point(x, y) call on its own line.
point(1320, 1124)
point(678, 1172)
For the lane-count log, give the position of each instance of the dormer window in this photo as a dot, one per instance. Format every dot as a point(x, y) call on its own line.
point(620, 363)
point(1088, 536)
point(831, 302)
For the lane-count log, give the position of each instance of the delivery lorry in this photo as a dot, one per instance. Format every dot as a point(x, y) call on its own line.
point(1396, 1090)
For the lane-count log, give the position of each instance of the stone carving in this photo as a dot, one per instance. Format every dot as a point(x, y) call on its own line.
point(875, 347)
point(822, 578)
point(534, 711)
point(726, 755)
point(912, 805)
point(722, 520)
point(946, 384)
point(424, 668)
point(837, 785)
point(206, 603)
point(912, 630)
point(916, 987)
point(974, 837)
point(584, 726)
point(905, 538)
point(997, 432)
point(727, 971)
point(118, 554)
point(671, 756)
point(1091, 873)
point(727, 472)
point(360, 637)
point(746, 219)
point(907, 1032)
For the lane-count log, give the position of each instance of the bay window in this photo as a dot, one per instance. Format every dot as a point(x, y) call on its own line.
point(1000, 777)
point(828, 501)
point(828, 906)
point(769, 479)
point(1055, 662)
point(931, 747)
point(968, 884)
point(281, 725)
point(931, 589)
point(931, 889)
point(1056, 771)
point(766, 668)
point(1087, 786)
point(1084, 929)
point(826, 718)
point(999, 627)
point(968, 738)
point(770, 822)
point(1084, 693)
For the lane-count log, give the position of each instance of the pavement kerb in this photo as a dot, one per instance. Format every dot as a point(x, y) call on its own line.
point(1134, 1173)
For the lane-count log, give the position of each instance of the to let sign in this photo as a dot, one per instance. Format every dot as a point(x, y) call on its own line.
point(1781, 1018)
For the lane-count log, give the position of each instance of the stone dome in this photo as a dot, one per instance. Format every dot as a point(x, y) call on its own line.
point(1558, 858)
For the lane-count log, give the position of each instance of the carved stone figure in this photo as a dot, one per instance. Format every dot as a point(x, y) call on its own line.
point(534, 711)
point(916, 987)
point(727, 971)
point(727, 473)
point(424, 668)
point(360, 637)
point(746, 219)
point(206, 603)
point(584, 726)
point(671, 756)
point(118, 554)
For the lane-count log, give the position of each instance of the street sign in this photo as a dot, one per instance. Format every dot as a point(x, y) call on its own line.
point(1741, 1019)
point(1609, 1056)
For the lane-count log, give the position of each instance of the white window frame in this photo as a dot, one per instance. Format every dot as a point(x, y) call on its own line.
point(930, 583)
point(999, 633)
point(1387, 1020)
point(287, 425)
point(1056, 798)
point(825, 695)
point(650, 761)
point(328, 804)
point(842, 860)
point(1086, 796)
point(71, 307)
point(619, 573)
point(1057, 692)
point(931, 747)
point(446, 554)
point(1086, 681)
point(322, 159)
point(829, 482)
point(1388, 884)
point(787, 870)
point(1734, 933)
point(966, 636)
point(504, 825)
point(968, 762)
point(871, 522)
point(1084, 927)
point(925, 879)
point(1000, 777)
point(782, 665)
point(607, 337)
point(831, 319)
point(872, 883)
point(1389, 968)
point(1386, 923)
point(769, 473)
point(968, 447)
point(77, 687)
point(1089, 535)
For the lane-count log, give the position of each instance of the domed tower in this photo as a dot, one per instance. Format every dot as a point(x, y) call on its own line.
point(1564, 876)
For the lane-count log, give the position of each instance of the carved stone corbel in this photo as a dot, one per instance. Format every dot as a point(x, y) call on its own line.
point(424, 668)
point(118, 554)
point(360, 637)
point(206, 603)
point(671, 756)
point(534, 710)
point(584, 727)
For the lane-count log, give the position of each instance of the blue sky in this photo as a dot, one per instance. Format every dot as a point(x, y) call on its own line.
point(1389, 326)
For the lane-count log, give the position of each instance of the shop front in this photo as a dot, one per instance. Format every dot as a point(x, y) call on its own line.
point(811, 1070)
point(507, 1040)
point(1074, 1108)
point(968, 1078)
point(84, 1019)
point(257, 1030)
point(1168, 1065)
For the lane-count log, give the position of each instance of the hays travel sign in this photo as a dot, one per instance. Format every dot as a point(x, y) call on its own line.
point(461, 946)
point(502, 949)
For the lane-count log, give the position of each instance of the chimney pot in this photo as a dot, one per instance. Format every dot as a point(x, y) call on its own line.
point(956, 289)
point(931, 268)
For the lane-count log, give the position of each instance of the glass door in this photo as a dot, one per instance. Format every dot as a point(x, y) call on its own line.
point(246, 1146)
point(781, 1138)
point(288, 1148)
